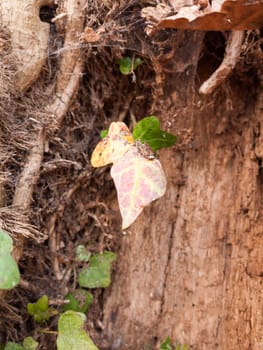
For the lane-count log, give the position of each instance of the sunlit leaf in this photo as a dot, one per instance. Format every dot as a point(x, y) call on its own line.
point(71, 333)
point(148, 131)
point(79, 300)
point(9, 272)
point(138, 181)
point(97, 274)
point(138, 177)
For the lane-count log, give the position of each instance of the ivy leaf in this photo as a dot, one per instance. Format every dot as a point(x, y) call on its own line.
point(139, 177)
point(9, 272)
point(138, 181)
point(97, 274)
point(79, 300)
point(148, 131)
point(40, 310)
point(71, 333)
point(127, 64)
point(30, 344)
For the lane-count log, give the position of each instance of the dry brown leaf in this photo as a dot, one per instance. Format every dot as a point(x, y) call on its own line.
point(90, 35)
point(220, 16)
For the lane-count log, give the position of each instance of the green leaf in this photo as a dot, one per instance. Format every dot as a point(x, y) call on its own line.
point(97, 275)
point(13, 346)
point(30, 344)
point(6, 243)
point(125, 65)
point(9, 272)
point(79, 300)
point(148, 131)
point(166, 344)
point(40, 310)
point(71, 335)
point(104, 133)
point(82, 254)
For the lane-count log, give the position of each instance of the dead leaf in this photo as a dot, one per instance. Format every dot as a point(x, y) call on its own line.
point(139, 180)
point(113, 146)
point(220, 16)
point(90, 35)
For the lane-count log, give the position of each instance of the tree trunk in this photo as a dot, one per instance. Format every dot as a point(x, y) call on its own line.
point(191, 267)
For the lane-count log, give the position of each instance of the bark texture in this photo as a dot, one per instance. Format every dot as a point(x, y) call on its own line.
point(191, 267)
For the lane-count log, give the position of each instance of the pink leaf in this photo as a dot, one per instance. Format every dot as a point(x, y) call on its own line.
point(139, 177)
point(138, 181)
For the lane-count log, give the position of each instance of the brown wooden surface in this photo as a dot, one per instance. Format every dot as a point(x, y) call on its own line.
point(191, 266)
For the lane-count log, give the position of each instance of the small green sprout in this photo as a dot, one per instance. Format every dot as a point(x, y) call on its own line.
point(127, 66)
point(40, 310)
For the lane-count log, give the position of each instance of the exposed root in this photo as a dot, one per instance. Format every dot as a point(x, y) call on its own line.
point(60, 106)
point(29, 175)
point(75, 11)
point(70, 69)
point(28, 178)
point(232, 54)
point(67, 84)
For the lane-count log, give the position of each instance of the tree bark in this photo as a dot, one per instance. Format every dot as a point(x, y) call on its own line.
point(191, 266)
